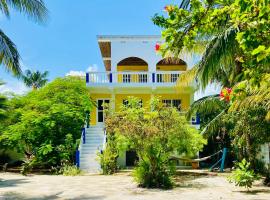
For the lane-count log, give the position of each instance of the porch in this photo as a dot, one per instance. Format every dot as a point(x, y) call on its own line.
point(140, 78)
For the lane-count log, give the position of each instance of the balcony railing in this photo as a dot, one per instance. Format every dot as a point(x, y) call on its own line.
point(159, 77)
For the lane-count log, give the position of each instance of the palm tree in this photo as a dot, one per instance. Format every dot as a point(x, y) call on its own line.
point(34, 9)
point(35, 79)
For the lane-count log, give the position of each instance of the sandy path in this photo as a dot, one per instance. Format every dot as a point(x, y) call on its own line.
point(121, 187)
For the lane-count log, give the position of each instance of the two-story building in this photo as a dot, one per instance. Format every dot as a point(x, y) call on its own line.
point(132, 68)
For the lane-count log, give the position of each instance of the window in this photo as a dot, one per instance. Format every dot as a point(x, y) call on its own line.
point(126, 78)
point(142, 78)
point(159, 78)
point(176, 103)
point(125, 102)
point(174, 77)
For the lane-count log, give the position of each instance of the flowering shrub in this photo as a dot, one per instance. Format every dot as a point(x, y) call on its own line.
point(226, 94)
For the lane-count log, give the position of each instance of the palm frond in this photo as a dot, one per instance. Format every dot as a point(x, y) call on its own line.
point(184, 4)
point(34, 9)
point(35, 79)
point(255, 97)
point(206, 105)
point(218, 56)
point(214, 124)
point(9, 55)
point(4, 7)
point(187, 78)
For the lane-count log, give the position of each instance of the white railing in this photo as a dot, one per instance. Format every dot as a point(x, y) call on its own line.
point(159, 77)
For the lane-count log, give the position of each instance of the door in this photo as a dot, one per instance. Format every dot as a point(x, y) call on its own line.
point(100, 110)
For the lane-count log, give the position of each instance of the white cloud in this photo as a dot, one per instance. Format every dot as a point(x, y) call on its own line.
point(14, 87)
point(75, 73)
point(92, 68)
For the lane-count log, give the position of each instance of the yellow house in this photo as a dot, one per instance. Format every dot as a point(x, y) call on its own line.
point(132, 68)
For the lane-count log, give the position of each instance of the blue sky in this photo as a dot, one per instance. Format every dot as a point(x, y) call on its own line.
point(68, 40)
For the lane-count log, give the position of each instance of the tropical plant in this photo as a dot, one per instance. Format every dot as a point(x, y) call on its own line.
point(45, 124)
point(108, 157)
point(243, 176)
point(70, 170)
point(155, 132)
point(35, 79)
point(236, 53)
point(34, 9)
point(3, 105)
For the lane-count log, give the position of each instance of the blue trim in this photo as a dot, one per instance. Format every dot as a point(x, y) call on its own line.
point(198, 120)
point(110, 77)
point(153, 77)
point(77, 158)
point(87, 78)
point(83, 135)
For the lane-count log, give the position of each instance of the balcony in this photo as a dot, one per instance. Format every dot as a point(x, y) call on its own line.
point(158, 78)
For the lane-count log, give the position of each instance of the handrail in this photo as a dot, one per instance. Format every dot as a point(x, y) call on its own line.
point(127, 77)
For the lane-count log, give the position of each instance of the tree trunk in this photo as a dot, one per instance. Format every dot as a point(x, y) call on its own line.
point(250, 152)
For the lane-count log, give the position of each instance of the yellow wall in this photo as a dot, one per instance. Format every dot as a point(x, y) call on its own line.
point(185, 101)
point(93, 116)
point(132, 68)
point(171, 67)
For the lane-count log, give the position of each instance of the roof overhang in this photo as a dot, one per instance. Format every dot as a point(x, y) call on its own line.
point(104, 42)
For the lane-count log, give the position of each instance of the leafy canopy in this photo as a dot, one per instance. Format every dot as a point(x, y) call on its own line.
point(155, 132)
point(45, 123)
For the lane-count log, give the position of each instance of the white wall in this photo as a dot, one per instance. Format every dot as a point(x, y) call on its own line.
point(264, 154)
point(144, 49)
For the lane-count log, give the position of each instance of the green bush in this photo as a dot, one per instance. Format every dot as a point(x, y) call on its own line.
point(108, 158)
point(243, 176)
point(70, 170)
point(160, 177)
point(45, 124)
point(155, 131)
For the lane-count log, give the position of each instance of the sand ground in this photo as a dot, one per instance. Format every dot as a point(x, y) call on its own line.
point(122, 187)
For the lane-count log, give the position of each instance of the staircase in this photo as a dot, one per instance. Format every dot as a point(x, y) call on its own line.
point(89, 147)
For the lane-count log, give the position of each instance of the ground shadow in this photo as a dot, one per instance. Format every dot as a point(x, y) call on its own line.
point(18, 196)
point(186, 180)
point(12, 182)
point(255, 191)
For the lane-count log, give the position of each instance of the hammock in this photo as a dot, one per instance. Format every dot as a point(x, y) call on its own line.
point(195, 160)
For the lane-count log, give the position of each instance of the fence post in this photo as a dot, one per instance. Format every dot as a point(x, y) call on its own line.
point(223, 159)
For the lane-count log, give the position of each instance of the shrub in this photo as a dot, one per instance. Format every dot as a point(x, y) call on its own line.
point(46, 123)
point(70, 170)
point(243, 176)
point(146, 176)
point(155, 132)
point(108, 157)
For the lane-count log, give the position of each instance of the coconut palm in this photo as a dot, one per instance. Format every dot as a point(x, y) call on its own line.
point(35, 79)
point(34, 9)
